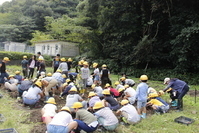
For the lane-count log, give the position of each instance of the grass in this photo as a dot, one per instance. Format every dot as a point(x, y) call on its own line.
point(153, 124)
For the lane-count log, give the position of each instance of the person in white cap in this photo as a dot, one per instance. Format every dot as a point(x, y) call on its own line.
point(180, 87)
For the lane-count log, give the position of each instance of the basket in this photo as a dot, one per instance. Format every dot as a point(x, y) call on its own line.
point(2, 118)
point(9, 130)
point(184, 120)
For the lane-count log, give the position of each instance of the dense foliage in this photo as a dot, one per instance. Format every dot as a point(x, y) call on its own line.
point(126, 35)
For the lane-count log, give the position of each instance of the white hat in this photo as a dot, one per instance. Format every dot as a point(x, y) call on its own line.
point(166, 80)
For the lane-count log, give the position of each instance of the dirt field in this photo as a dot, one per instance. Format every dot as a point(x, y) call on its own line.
point(35, 114)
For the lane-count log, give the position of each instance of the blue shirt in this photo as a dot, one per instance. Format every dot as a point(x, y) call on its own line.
point(141, 92)
point(176, 85)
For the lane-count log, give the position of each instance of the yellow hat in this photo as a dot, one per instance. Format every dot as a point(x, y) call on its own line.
point(6, 59)
point(65, 108)
point(120, 89)
point(38, 83)
point(51, 100)
point(63, 59)
point(49, 74)
point(107, 85)
point(73, 89)
point(126, 86)
point(85, 63)
point(68, 80)
point(117, 82)
point(91, 94)
point(77, 105)
point(58, 70)
point(98, 105)
point(93, 86)
point(69, 59)
point(122, 78)
point(17, 72)
point(95, 64)
point(143, 77)
point(106, 92)
point(65, 84)
point(123, 102)
point(25, 57)
point(151, 95)
point(161, 92)
point(104, 65)
point(63, 76)
point(11, 76)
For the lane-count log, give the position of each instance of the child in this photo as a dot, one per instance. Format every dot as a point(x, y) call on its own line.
point(129, 82)
point(105, 116)
point(25, 85)
point(129, 113)
point(104, 75)
point(24, 64)
point(11, 85)
point(62, 122)
point(97, 89)
point(141, 95)
point(73, 97)
point(18, 76)
point(85, 73)
point(49, 110)
point(110, 101)
point(157, 105)
point(86, 121)
point(93, 99)
point(34, 93)
point(63, 66)
point(113, 91)
point(96, 73)
point(130, 94)
point(118, 85)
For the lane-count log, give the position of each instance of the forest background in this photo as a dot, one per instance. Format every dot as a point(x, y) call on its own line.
point(155, 37)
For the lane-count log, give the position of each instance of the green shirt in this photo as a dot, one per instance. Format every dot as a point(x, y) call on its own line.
point(85, 116)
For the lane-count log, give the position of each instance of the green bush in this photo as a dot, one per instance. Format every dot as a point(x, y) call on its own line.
point(19, 56)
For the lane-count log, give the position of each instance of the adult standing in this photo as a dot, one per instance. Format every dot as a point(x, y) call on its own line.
point(24, 65)
point(69, 62)
point(3, 70)
point(32, 64)
point(39, 57)
point(42, 67)
point(104, 75)
point(56, 62)
point(180, 87)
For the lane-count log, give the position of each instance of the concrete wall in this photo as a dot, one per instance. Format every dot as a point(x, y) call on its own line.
point(66, 49)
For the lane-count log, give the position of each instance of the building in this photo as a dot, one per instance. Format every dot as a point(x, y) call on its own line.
point(53, 47)
point(14, 46)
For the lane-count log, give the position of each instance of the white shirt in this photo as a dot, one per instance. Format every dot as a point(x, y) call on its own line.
point(63, 66)
point(107, 114)
point(85, 73)
point(32, 64)
point(133, 115)
point(50, 110)
point(90, 81)
point(119, 86)
point(132, 94)
point(62, 118)
point(71, 99)
point(33, 92)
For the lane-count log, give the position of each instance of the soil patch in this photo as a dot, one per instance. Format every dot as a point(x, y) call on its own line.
point(193, 93)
